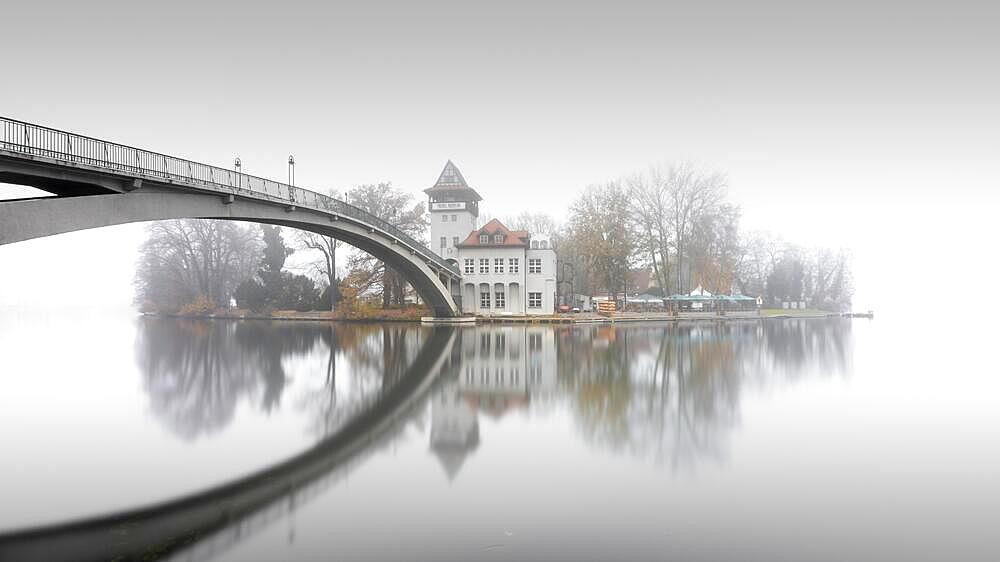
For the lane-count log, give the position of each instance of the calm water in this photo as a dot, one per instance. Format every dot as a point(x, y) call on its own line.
point(776, 440)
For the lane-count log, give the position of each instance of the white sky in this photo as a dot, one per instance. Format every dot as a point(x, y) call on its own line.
point(869, 127)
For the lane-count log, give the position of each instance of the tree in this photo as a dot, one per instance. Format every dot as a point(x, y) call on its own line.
point(182, 260)
point(534, 223)
point(830, 283)
point(398, 208)
point(326, 262)
point(714, 248)
point(759, 252)
point(651, 206)
point(601, 231)
point(273, 288)
point(787, 280)
point(692, 193)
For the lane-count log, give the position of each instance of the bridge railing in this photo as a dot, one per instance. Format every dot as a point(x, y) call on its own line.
point(37, 140)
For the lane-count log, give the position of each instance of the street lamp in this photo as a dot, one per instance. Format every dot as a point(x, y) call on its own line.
point(239, 178)
point(291, 177)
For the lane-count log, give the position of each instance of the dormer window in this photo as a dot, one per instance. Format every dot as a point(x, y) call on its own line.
point(498, 238)
point(484, 238)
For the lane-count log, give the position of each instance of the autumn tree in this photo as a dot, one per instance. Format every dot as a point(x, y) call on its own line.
point(601, 231)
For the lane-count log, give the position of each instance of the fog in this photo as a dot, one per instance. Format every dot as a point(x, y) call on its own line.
point(871, 128)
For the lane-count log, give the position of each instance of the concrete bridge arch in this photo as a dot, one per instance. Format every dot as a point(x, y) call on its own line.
point(98, 183)
point(34, 218)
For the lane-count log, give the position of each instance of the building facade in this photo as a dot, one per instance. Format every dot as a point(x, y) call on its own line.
point(504, 272)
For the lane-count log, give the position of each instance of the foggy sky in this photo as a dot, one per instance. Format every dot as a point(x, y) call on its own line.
point(873, 127)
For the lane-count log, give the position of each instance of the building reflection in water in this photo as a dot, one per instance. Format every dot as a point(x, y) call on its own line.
point(500, 369)
point(669, 393)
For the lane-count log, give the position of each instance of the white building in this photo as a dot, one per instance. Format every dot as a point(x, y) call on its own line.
point(505, 272)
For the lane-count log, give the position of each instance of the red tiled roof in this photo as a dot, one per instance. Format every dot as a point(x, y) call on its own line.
point(511, 239)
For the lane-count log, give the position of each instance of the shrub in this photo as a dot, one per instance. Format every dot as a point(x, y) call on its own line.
point(201, 306)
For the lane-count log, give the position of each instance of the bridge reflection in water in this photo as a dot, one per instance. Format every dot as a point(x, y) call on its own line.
point(670, 394)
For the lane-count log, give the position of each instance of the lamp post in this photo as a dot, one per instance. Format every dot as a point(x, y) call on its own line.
point(239, 177)
point(291, 177)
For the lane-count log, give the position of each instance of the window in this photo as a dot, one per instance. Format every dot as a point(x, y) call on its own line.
point(470, 266)
point(534, 300)
point(444, 241)
point(534, 265)
point(500, 300)
point(484, 299)
point(484, 238)
point(544, 244)
point(470, 375)
point(515, 375)
point(534, 341)
point(444, 218)
point(499, 378)
point(454, 240)
point(534, 244)
point(484, 265)
point(497, 265)
point(498, 238)
point(514, 265)
point(534, 374)
point(454, 218)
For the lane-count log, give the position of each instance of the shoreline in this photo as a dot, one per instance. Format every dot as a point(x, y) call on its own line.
point(566, 318)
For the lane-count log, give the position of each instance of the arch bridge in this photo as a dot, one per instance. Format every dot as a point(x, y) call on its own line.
point(100, 183)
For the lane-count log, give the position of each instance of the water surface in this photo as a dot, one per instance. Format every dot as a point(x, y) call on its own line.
point(782, 439)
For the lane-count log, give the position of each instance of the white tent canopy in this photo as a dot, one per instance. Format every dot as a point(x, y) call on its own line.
point(699, 292)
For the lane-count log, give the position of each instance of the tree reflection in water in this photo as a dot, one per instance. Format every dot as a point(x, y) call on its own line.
point(670, 393)
point(673, 393)
point(197, 372)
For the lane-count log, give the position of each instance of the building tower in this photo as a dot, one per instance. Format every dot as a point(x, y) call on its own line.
point(454, 210)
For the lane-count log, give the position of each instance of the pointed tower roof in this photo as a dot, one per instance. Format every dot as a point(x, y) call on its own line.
point(451, 179)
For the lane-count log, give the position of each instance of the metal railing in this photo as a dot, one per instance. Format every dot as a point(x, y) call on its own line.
point(35, 140)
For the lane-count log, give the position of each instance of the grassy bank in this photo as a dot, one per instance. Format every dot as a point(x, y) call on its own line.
point(794, 312)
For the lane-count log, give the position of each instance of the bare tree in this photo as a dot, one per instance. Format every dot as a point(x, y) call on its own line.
point(535, 223)
point(650, 204)
point(182, 260)
point(692, 193)
point(325, 263)
point(397, 207)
